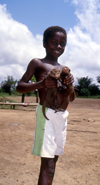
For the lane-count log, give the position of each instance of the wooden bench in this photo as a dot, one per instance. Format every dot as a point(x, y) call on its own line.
point(12, 105)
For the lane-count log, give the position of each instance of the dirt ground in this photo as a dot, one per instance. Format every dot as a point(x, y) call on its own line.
point(80, 162)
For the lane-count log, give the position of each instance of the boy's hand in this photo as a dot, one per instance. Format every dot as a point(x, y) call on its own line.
point(49, 83)
point(68, 79)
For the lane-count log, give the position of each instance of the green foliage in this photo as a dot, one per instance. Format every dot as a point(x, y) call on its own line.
point(33, 79)
point(84, 85)
point(32, 93)
point(84, 82)
point(94, 90)
point(98, 79)
point(84, 92)
point(8, 86)
point(3, 94)
point(86, 88)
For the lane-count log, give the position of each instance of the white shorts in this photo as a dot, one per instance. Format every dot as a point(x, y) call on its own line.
point(50, 135)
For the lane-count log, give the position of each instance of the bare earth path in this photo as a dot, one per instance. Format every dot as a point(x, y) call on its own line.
point(80, 162)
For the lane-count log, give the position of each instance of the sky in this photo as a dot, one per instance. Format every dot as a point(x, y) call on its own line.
point(23, 22)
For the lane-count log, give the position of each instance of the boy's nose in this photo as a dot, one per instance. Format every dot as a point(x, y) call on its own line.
point(58, 46)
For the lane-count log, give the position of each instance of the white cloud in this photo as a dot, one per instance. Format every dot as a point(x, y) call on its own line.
point(17, 46)
point(88, 13)
point(83, 50)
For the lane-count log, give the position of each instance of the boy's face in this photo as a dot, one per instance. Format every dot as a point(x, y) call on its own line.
point(55, 45)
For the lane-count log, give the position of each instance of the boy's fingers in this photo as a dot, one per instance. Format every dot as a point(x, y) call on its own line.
point(50, 83)
point(69, 79)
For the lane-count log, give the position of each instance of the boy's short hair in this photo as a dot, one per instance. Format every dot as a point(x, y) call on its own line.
point(51, 30)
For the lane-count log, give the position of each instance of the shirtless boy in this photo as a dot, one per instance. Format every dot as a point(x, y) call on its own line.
point(50, 135)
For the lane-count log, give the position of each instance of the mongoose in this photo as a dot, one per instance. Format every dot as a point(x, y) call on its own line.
point(51, 96)
point(64, 72)
point(63, 88)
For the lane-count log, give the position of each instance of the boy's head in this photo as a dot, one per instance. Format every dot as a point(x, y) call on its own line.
point(49, 32)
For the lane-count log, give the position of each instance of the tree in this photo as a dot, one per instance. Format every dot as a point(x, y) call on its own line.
point(85, 86)
point(33, 79)
point(8, 85)
point(98, 79)
point(94, 90)
point(85, 92)
point(84, 82)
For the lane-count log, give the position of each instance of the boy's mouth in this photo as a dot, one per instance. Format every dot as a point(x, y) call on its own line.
point(58, 51)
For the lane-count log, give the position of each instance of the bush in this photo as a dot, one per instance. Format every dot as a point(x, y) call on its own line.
point(84, 92)
point(94, 90)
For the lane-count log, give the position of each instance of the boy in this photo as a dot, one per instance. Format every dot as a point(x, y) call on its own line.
point(50, 135)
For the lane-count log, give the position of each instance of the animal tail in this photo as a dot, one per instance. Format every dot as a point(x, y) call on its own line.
point(43, 110)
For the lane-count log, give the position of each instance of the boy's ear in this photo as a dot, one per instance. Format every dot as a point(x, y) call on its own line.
point(44, 44)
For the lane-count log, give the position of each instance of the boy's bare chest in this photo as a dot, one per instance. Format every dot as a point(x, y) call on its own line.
point(44, 68)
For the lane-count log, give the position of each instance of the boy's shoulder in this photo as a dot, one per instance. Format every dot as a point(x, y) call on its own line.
point(36, 60)
point(43, 64)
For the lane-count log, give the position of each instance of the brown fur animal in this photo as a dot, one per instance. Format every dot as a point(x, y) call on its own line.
point(64, 72)
point(51, 96)
point(63, 88)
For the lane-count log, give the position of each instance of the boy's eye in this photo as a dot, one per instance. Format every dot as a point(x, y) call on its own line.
point(63, 44)
point(53, 42)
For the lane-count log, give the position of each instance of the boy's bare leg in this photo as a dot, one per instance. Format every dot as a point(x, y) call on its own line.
point(47, 170)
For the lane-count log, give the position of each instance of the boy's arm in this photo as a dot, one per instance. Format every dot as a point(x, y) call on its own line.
point(25, 87)
point(72, 96)
point(68, 81)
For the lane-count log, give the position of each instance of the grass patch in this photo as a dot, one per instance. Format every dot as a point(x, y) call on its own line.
point(90, 97)
point(16, 94)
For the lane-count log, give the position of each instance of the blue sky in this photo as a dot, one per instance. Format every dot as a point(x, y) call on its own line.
point(22, 23)
point(40, 14)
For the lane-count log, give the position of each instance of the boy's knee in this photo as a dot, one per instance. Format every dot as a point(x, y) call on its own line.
point(51, 170)
point(49, 166)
